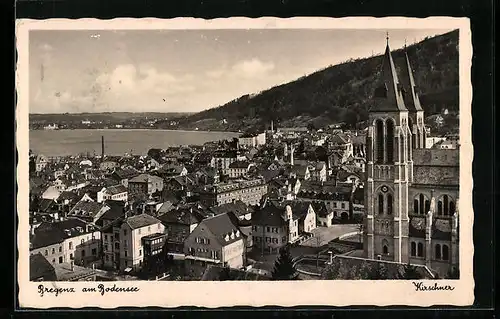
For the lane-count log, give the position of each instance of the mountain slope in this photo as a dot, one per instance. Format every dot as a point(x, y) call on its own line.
point(341, 93)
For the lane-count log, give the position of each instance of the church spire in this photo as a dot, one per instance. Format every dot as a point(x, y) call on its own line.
point(411, 99)
point(389, 88)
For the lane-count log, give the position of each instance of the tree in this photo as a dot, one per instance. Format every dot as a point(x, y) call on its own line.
point(225, 274)
point(154, 153)
point(409, 272)
point(378, 272)
point(284, 268)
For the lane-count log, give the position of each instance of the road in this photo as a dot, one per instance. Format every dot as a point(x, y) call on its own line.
point(326, 234)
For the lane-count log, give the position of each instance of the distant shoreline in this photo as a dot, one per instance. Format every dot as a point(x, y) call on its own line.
point(137, 129)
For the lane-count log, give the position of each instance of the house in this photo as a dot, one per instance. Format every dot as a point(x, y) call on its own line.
point(216, 240)
point(51, 192)
point(207, 176)
point(249, 191)
point(145, 184)
point(171, 170)
point(300, 171)
point(179, 183)
point(179, 223)
point(204, 159)
point(273, 227)
point(41, 162)
point(304, 212)
point(116, 210)
point(239, 168)
point(88, 210)
point(122, 176)
point(108, 165)
point(115, 192)
point(67, 240)
point(250, 140)
point(338, 200)
point(122, 240)
point(318, 173)
point(324, 216)
point(222, 160)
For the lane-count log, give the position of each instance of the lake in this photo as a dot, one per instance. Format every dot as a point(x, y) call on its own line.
point(117, 142)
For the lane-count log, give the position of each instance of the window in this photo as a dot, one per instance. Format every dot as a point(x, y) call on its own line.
point(83, 253)
point(71, 256)
point(415, 206)
point(94, 251)
point(385, 250)
point(60, 260)
point(445, 204)
point(380, 204)
point(420, 250)
point(379, 141)
point(440, 208)
point(343, 205)
point(46, 252)
point(268, 229)
point(140, 252)
point(126, 253)
point(413, 249)
point(390, 140)
point(438, 251)
point(53, 260)
point(125, 232)
point(445, 252)
point(421, 204)
point(82, 241)
point(427, 206)
point(452, 208)
point(389, 204)
point(53, 251)
point(60, 249)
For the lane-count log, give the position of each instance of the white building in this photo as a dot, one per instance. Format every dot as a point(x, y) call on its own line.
point(122, 240)
point(115, 192)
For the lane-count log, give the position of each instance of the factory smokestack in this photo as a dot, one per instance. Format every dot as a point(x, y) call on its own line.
point(102, 148)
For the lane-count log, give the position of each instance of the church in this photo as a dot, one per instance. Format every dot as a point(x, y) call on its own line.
point(411, 192)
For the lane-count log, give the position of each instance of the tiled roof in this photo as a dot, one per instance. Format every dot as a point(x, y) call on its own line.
point(182, 216)
point(239, 208)
point(436, 157)
point(269, 215)
point(41, 268)
point(320, 209)
point(144, 178)
point(435, 175)
point(141, 220)
point(52, 233)
point(116, 189)
point(223, 228)
point(239, 164)
point(86, 209)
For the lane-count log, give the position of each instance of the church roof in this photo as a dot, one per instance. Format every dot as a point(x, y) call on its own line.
point(388, 95)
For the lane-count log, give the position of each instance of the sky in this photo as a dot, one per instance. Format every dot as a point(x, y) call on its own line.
point(184, 70)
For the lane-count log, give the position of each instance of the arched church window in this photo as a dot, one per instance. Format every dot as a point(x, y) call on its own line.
point(445, 204)
point(446, 252)
point(380, 204)
point(389, 204)
point(385, 246)
point(438, 251)
point(421, 197)
point(427, 206)
point(415, 206)
point(379, 141)
point(385, 250)
point(420, 250)
point(440, 207)
point(390, 140)
point(413, 249)
point(452, 208)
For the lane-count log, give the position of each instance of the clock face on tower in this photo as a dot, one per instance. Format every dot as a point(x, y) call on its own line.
point(384, 189)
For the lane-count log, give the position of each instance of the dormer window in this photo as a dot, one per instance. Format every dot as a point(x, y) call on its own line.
point(226, 238)
point(237, 233)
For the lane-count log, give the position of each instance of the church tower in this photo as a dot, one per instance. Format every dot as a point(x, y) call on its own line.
point(388, 169)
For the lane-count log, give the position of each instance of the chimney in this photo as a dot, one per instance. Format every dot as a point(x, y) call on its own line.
point(102, 147)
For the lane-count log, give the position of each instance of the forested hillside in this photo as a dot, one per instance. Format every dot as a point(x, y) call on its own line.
point(341, 93)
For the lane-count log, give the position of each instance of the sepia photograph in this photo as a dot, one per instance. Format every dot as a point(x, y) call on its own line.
point(261, 153)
